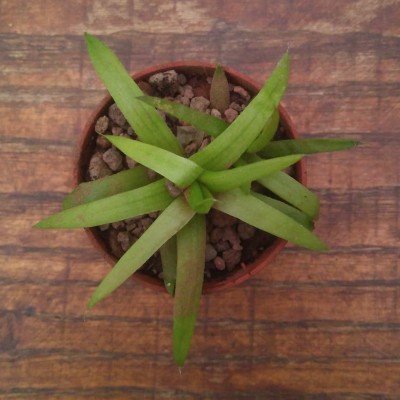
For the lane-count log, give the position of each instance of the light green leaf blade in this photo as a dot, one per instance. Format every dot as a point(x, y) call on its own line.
point(145, 120)
point(179, 170)
point(293, 192)
point(123, 181)
point(222, 181)
point(246, 187)
point(289, 189)
point(287, 209)
point(219, 91)
point(206, 123)
point(199, 198)
point(235, 140)
point(149, 198)
point(168, 224)
point(189, 282)
point(280, 148)
point(266, 134)
point(261, 215)
point(168, 252)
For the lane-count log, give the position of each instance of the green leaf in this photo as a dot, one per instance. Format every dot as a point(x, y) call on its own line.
point(280, 148)
point(168, 259)
point(207, 123)
point(261, 215)
point(179, 170)
point(145, 120)
point(199, 198)
point(149, 198)
point(189, 283)
point(293, 192)
point(235, 140)
point(121, 182)
point(290, 211)
point(246, 187)
point(289, 189)
point(266, 134)
point(219, 91)
point(170, 221)
point(222, 181)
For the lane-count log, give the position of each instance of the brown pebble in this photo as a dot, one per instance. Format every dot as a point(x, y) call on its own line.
point(230, 115)
point(219, 263)
point(241, 92)
point(146, 222)
point(245, 231)
point(116, 115)
point(210, 252)
point(191, 148)
point(235, 106)
point(101, 124)
point(183, 100)
point(103, 142)
point(113, 159)
point(232, 237)
point(152, 175)
point(186, 91)
point(199, 103)
point(153, 215)
point(221, 219)
point(165, 82)
point(117, 130)
point(131, 132)
point(173, 190)
point(118, 225)
point(222, 245)
point(130, 226)
point(232, 258)
point(204, 143)
point(182, 79)
point(115, 246)
point(125, 240)
point(203, 90)
point(216, 235)
point(146, 88)
point(130, 163)
point(98, 168)
point(215, 113)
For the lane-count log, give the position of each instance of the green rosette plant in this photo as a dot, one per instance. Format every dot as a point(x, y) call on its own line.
point(218, 176)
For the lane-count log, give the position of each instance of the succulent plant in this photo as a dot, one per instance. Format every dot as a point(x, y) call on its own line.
point(218, 176)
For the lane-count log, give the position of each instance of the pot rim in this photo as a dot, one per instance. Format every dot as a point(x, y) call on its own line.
point(86, 137)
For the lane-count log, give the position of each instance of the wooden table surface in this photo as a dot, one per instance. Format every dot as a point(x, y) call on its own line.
point(311, 326)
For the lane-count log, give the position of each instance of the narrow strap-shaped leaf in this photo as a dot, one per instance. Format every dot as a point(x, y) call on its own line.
point(121, 182)
point(207, 123)
point(280, 148)
point(147, 123)
point(149, 198)
point(261, 215)
point(179, 170)
point(235, 140)
point(266, 134)
point(222, 181)
point(293, 192)
point(199, 198)
point(189, 282)
point(168, 260)
point(219, 91)
point(287, 209)
point(289, 189)
point(170, 221)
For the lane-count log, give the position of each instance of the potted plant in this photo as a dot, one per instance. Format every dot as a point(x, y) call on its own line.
point(190, 177)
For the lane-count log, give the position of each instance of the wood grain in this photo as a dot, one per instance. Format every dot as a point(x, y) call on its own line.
point(311, 326)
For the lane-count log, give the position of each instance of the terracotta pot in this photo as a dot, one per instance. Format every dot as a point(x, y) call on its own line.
point(86, 146)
